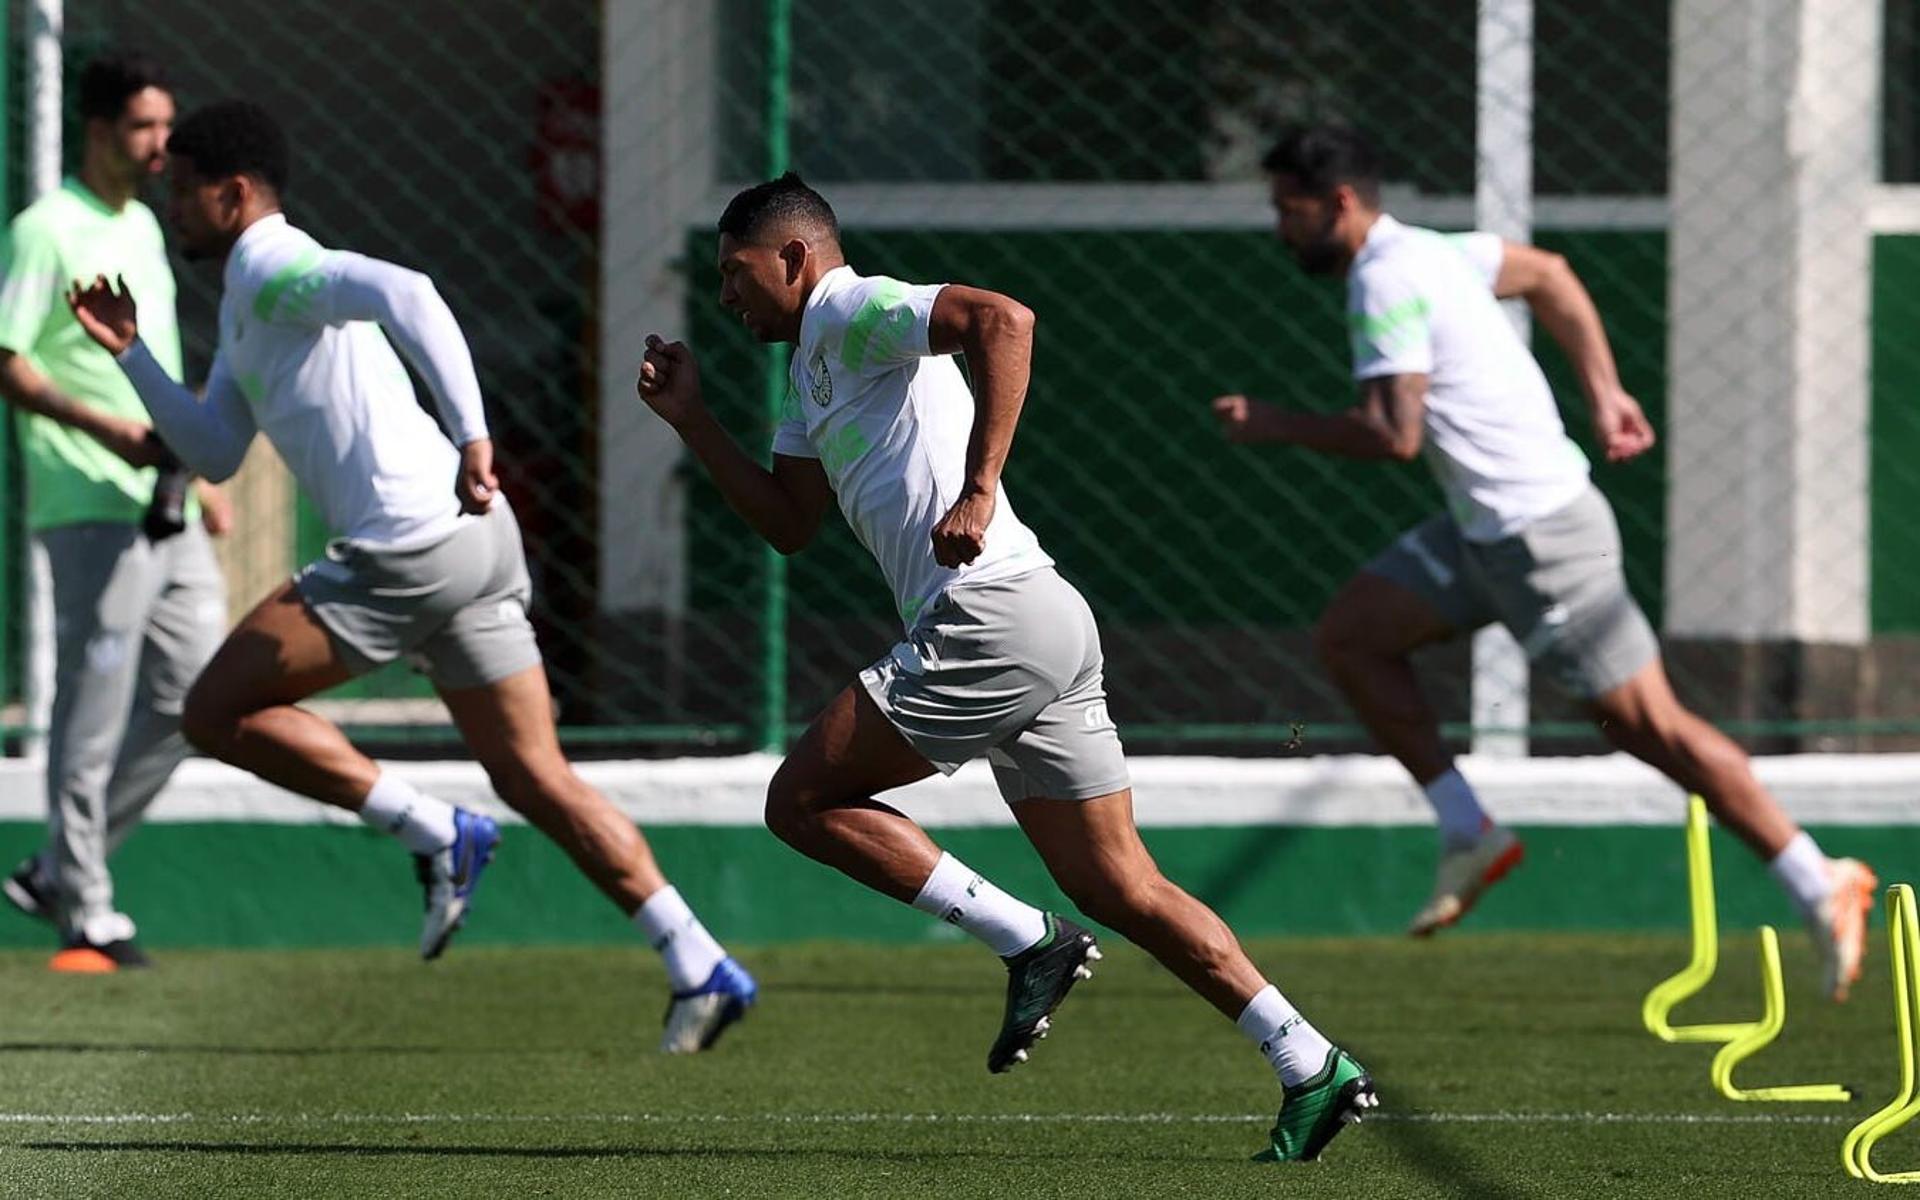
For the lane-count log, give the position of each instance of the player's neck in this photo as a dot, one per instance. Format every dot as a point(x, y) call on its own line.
point(112, 187)
point(250, 217)
point(816, 270)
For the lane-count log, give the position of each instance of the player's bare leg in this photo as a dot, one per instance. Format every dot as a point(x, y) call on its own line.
point(1644, 718)
point(243, 709)
point(508, 726)
point(1094, 852)
point(821, 801)
point(1365, 640)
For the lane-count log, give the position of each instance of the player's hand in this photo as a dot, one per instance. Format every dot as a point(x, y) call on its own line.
point(106, 311)
point(962, 534)
point(1622, 429)
point(216, 508)
point(1243, 419)
point(477, 484)
point(130, 440)
point(670, 380)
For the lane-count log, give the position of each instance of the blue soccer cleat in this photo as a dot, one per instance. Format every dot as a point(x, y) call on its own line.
point(451, 875)
point(696, 1019)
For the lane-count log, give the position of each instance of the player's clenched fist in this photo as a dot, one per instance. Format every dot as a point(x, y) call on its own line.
point(670, 379)
point(962, 534)
point(1242, 418)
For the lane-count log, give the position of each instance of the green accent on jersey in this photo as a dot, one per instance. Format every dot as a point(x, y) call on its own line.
point(71, 234)
point(294, 282)
point(790, 405)
point(843, 448)
point(912, 610)
point(879, 327)
point(1404, 318)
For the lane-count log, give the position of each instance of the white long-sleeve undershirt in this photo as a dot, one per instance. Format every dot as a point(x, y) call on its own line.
point(303, 359)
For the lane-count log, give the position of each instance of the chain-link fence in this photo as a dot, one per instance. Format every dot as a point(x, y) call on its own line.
point(1731, 179)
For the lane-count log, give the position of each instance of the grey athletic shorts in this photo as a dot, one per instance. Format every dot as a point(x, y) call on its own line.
point(1011, 670)
point(1558, 587)
point(457, 608)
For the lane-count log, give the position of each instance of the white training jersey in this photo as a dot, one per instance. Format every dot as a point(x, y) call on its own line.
point(303, 359)
point(1422, 303)
point(889, 421)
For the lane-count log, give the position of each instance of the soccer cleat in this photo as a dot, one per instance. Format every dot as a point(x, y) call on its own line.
point(1463, 875)
point(1839, 924)
point(1038, 978)
point(1312, 1112)
point(28, 892)
point(450, 876)
point(696, 1019)
point(79, 956)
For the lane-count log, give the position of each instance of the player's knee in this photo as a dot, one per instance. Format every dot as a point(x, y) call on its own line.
point(788, 814)
point(208, 724)
point(1117, 899)
point(1336, 640)
point(522, 787)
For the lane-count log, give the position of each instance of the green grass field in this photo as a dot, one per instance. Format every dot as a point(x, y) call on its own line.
point(1510, 1066)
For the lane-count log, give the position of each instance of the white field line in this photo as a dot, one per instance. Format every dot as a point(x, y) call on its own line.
point(876, 1118)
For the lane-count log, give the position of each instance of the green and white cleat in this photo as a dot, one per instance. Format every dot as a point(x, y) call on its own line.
point(1311, 1113)
point(1038, 979)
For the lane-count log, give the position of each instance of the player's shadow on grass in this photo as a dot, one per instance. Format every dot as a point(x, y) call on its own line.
point(361, 1150)
point(1425, 1147)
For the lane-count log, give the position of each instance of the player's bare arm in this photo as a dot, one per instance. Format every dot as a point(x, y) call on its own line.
point(1559, 301)
point(783, 505)
point(995, 334)
point(27, 389)
point(1387, 423)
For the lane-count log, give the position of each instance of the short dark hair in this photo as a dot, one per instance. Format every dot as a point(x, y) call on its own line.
point(233, 137)
point(785, 201)
point(1322, 157)
point(109, 81)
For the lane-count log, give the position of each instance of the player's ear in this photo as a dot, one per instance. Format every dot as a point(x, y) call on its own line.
point(793, 256)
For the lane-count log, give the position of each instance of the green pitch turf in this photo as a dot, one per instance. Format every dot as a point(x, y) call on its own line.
point(1510, 1066)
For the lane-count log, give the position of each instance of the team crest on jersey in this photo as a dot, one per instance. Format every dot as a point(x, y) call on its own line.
point(821, 392)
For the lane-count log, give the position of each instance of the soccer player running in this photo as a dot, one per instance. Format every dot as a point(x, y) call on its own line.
point(427, 562)
point(1526, 540)
point(1001, 657)
point(140, 598)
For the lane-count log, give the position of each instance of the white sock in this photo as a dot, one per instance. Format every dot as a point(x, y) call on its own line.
point(1295, 1048)
point(423, 825)
point(1461, 817)
point(688, 950)
point(957, 895)
point(1802, 869)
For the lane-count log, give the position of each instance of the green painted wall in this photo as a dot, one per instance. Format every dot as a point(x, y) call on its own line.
point(261, 885)
point(1895, 448)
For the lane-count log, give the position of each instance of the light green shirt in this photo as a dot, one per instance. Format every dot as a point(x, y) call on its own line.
point(66, 235)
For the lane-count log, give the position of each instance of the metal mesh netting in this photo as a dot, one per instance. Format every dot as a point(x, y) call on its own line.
point(1099, 162)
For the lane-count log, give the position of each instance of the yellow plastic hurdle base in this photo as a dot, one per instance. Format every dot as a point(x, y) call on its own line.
point(1761, 1033)
point(1670, 992)
point(1903, 945)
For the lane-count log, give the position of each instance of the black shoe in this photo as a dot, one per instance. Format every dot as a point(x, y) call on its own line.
point(80, 955)
point(1038, 979)
point(25, 891)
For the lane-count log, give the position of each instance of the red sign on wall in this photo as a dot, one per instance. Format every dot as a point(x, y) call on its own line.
point(566, 157)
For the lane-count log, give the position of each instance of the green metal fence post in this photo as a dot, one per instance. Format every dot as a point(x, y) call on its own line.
point(10, 513)
point(773, 601)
